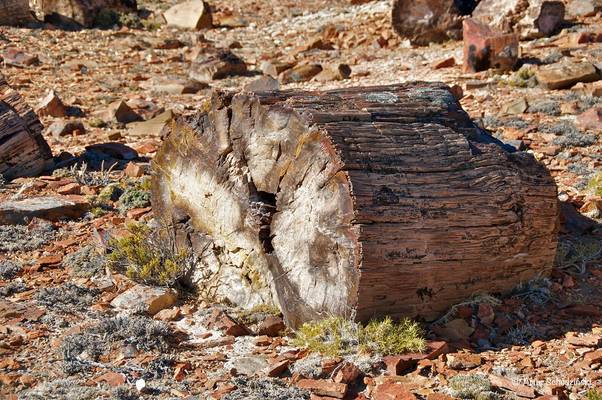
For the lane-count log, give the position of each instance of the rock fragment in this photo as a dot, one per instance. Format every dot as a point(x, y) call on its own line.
point(62, 128)
point(263, 84)
point(52, 106)
point(150, 299)
point(300, 73)
point(155, 127)
point(216, 64)
point(192, 14)
point(49, 208)
point(486, 48)
point(566, 74)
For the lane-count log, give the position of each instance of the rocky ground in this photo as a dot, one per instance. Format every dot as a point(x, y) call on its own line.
point(71, 328)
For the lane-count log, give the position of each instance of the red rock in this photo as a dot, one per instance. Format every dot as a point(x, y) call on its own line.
point(439, 396)
point(275, 370)
point(133, 170)
point(147, 148)
point(16, 57)
point(519, 389)
point(120, 111)
point(54, 259)
point(221, 321)
point(446, 63)
point(323, 387)
point(464, 360)
point(587, 37)
point(485, 48)
point(52, 106)
point(271, 326)
point(112, 378)
point(583, 310)
point(137, 213)
point(168, 314)
point(593, 357)
point(590, 120)
point(70, 188)
point(329, 365)
point(486, 313)
point(347, 372)
point(397, 365)
point(585, 341)
point(390, 390)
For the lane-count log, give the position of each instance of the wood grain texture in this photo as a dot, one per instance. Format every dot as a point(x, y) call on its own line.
point(359, 202)
point(23, 150)
point(15, 12)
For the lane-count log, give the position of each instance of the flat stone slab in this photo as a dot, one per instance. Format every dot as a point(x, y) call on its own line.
point(150, 299)
point(50, 208)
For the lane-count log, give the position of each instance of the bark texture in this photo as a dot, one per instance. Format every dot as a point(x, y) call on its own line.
point(426, 21)
point(359, 202)
point(23, 150)
point(15, 12)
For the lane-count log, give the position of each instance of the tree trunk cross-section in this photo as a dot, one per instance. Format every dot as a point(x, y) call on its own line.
point(358, 202)
point(23, 150)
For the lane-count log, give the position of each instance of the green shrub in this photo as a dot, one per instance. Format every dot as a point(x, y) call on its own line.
point(594, 186)
point(337, 336)
point(387, 337)
point(593, 394)
point(149, 257)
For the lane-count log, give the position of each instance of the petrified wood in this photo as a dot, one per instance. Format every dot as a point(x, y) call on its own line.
point(359, 202)
point(23, 150)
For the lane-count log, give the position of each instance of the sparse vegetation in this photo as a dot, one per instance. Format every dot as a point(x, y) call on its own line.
point(575, 253)
point(594, 186)
point(523, 78)
point(148, 256)
point(9, 269)
point(25, 238)
point(85, 262)
point(133, 197)
point(66, 297)
point(337, 336)
point(81, 350)
point(472, 387)
point(259, 389)
point(593, 394)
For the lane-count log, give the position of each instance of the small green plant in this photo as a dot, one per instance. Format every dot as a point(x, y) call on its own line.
point(337, 336)
point(386, 337)
point(331, 337)
point(474, 387)
point(594, 186)
point(149, 256)
point(523, 78)
point(133, 197)
point(593, 394)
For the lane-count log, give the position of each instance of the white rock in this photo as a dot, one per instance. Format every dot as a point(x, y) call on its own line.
point(192, 14)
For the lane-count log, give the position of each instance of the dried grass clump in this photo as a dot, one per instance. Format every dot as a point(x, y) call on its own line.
point(338, 336)
point(150, 257)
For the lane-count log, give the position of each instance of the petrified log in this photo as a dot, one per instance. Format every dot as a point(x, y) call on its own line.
point(15, 12)
point(23, 150)
point(359, 202)
point(426, 21)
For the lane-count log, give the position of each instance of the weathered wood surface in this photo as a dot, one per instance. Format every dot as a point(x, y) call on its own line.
point(23, 150)
point(426, 21)
point(360, 202)
point(15, 12)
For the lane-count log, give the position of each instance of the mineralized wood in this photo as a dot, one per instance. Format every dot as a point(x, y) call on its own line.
point(86, 13)
point(425, 21)
point(23, 150)
point(359, 202)
point(15, 12)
